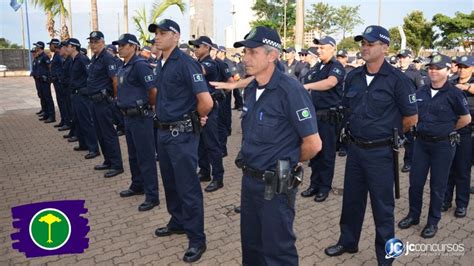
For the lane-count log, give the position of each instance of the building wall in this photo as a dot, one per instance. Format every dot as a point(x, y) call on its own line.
point(14, 59)
point(201, 19)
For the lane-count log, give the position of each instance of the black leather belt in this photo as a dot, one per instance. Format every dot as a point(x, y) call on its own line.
point(431, 138)
point(371, 144)
point(255, 173)
point(130, 111)
point(82, 91)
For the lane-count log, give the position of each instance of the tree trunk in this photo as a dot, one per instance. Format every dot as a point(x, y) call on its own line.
point(125, 15)
point(299, 33)
point(50, 24)
point(64, 29)
point(94, 16)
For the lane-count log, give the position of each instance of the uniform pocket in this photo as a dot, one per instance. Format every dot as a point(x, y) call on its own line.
point(265, 130)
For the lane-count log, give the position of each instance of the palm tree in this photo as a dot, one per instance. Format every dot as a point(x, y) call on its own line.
point(94, 16)
point(141, 21)
point(52, 8)
point(49, 219)
point(125, 15)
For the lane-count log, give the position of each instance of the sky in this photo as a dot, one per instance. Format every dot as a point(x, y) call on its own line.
point(111, 16)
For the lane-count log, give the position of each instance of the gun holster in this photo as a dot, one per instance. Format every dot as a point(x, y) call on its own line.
point(196, 122)
point(284, 181)
point(454, 138)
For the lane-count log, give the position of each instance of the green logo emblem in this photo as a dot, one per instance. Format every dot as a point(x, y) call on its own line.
point(305, 113)
point(368, 30)
point(50, 229)
point(437, 59)
point(251, 34)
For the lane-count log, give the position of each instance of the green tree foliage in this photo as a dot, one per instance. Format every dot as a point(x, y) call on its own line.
point(141, 21)
point(346, 18)
point(418, 31)
point(454, 31)
point(395, 40)
point(270, 13)
point(4, 43)
point(322, 18)
point(349, 44)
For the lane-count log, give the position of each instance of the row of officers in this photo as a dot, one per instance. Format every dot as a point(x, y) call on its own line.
point(283, 126)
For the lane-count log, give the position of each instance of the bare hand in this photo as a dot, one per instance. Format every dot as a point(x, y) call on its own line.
point(462, 86)
point(203, 120)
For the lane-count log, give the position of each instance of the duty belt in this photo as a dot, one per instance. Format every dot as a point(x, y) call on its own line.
point(371, 144)
point(255, 173)
point(82, 91)
point(176, 127)
point(130, 111)
point(431, 138)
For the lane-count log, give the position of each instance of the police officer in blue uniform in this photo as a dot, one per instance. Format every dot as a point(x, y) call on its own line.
point(80, 100)
point(278, 123)
point(102, 89)
point(405, 65)
point(225, 107)
point(183, 101)
point(64, 79)
point(43, 82)
point(326, 84)
point(293, 67)
point(380, 98)
point(442, 109)
point(56, 69)
point(136, 99)
point(210, 152)
point(118, 116)
point(34, 70)
point(460, 173)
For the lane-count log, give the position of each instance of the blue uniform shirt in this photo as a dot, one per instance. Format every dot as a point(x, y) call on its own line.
point(329, 98)
point(43, 65)
point(224, 70)
point(100, 72)
point(212, 71)
point(135, 79)
point(78, 73)
point(65, 75)
point(178, 81)
point(274, 125)
point(378, 108)
point(56, 65)
point(34, 68)
point(438, 115)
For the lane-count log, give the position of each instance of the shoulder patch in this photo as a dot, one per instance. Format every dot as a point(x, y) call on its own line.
point(412, 98)
point(304, 114)
point(148, 78)
point(198, 78)
point(112, 67)
point(207, 64)
point(464, 101)
point(337, 71)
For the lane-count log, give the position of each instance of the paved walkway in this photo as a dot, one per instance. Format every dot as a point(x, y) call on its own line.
point(37, 164)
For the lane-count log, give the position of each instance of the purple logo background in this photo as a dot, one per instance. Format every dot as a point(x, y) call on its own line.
point(73, 209)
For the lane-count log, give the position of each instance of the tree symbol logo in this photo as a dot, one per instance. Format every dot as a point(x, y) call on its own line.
point(50, 229)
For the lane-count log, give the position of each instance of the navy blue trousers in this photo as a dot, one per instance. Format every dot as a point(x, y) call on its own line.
point(178, 165)
point(83, 122)
point(66, 113)
point(225, 121)
point(368, 171)
point(322, 165)
point(47, 98)
point(435, 157)
point(210, 152)
point(38, 92)
point(266, 227)
point(141, 156)
point(408, 145)
point(103, 115)
point(238, 99)
point(460, 174)
point(60, 100)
